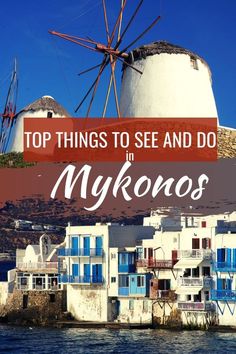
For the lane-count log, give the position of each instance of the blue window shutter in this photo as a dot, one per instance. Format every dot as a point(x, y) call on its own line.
point(220, 255)
point(99, 271)
point(229, 284)
point(219, 284)
point(75, 270)
point(75, 243)
point(94, 273)
point(119, 259)
point(228, 256)
point(87, 273)
point(234, 257)
point(86, 246)
point(98, 246)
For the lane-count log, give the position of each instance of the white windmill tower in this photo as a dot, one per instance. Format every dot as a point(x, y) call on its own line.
point(44, 107)
point(175, 82)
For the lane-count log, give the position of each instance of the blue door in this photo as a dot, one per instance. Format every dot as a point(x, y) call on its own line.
point(86, 246)
point(87, 273)
point(74, 246)
point(118, 308)
point(98, 246)
point(75, 272)
point(97, 273)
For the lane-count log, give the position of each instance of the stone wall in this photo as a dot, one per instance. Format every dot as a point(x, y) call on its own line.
point(166, 314)
point(34, 307)
point(226, 143)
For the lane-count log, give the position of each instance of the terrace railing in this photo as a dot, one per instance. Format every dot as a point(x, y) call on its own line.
point(195, 306)
point(80, 252)
point(81, 279)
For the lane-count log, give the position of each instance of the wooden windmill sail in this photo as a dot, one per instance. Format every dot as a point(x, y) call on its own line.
point(111, 53)
point(8, 116)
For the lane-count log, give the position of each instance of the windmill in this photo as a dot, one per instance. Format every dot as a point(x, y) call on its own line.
point(111, 54)
point(8, 117)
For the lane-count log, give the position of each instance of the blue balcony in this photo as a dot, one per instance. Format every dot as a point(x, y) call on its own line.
point(126, 268)
point(84, 279)
point(80, 252)
point(136, 284)
point(126, 262)
point(123, 291)
point(224, 266)
point(223, 295)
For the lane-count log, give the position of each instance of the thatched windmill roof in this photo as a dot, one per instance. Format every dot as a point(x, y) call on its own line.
point(160, 47)
point(46, 103)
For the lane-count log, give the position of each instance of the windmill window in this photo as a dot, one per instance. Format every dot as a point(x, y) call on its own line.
point(193, 62)
point(49, 114)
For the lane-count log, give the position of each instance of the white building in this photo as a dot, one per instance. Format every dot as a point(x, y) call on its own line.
point(93, 275)
point(44, 107)
point(194, 267)
point(175, 83)
point(37, 266)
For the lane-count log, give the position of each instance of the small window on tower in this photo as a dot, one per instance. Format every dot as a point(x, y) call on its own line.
point(193, 62)
point(49, 115)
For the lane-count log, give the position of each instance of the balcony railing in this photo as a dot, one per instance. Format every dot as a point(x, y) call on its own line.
point(165, 295)
point(37, 287)
point(137, 291)
point(81, 279)
point(224, 266)
point(204, 281)
point(195, 306)
point(201, 254)
point(37, 266)
point(154, 263)
point(223, 295)
point(80, 252)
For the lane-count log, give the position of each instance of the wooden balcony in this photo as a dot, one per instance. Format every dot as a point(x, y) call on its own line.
point(155, 263)
point(163, 295)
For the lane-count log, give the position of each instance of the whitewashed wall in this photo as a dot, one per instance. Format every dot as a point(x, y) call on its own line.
point(168, 87)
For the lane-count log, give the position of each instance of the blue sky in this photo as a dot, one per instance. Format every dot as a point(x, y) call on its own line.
point(49, 65)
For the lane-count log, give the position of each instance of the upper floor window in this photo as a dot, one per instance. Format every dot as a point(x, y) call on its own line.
point(140, 280)
point(193, 62)
point(49, 114)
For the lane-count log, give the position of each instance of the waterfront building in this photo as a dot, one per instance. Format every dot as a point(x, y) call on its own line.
point(37, 266)
point(32, 292)
point(223, 291)
point(193, 268)
point(93, 278)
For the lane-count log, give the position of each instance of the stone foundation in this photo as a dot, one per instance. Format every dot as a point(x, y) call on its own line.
point(34, 307)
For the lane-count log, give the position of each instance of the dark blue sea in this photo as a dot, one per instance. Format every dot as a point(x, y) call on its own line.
point(43, 340)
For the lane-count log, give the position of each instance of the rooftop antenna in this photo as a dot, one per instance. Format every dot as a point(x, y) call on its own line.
point(8, 117)
point(111, 53)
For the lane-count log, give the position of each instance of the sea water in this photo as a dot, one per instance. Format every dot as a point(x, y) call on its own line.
point(47, 340)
